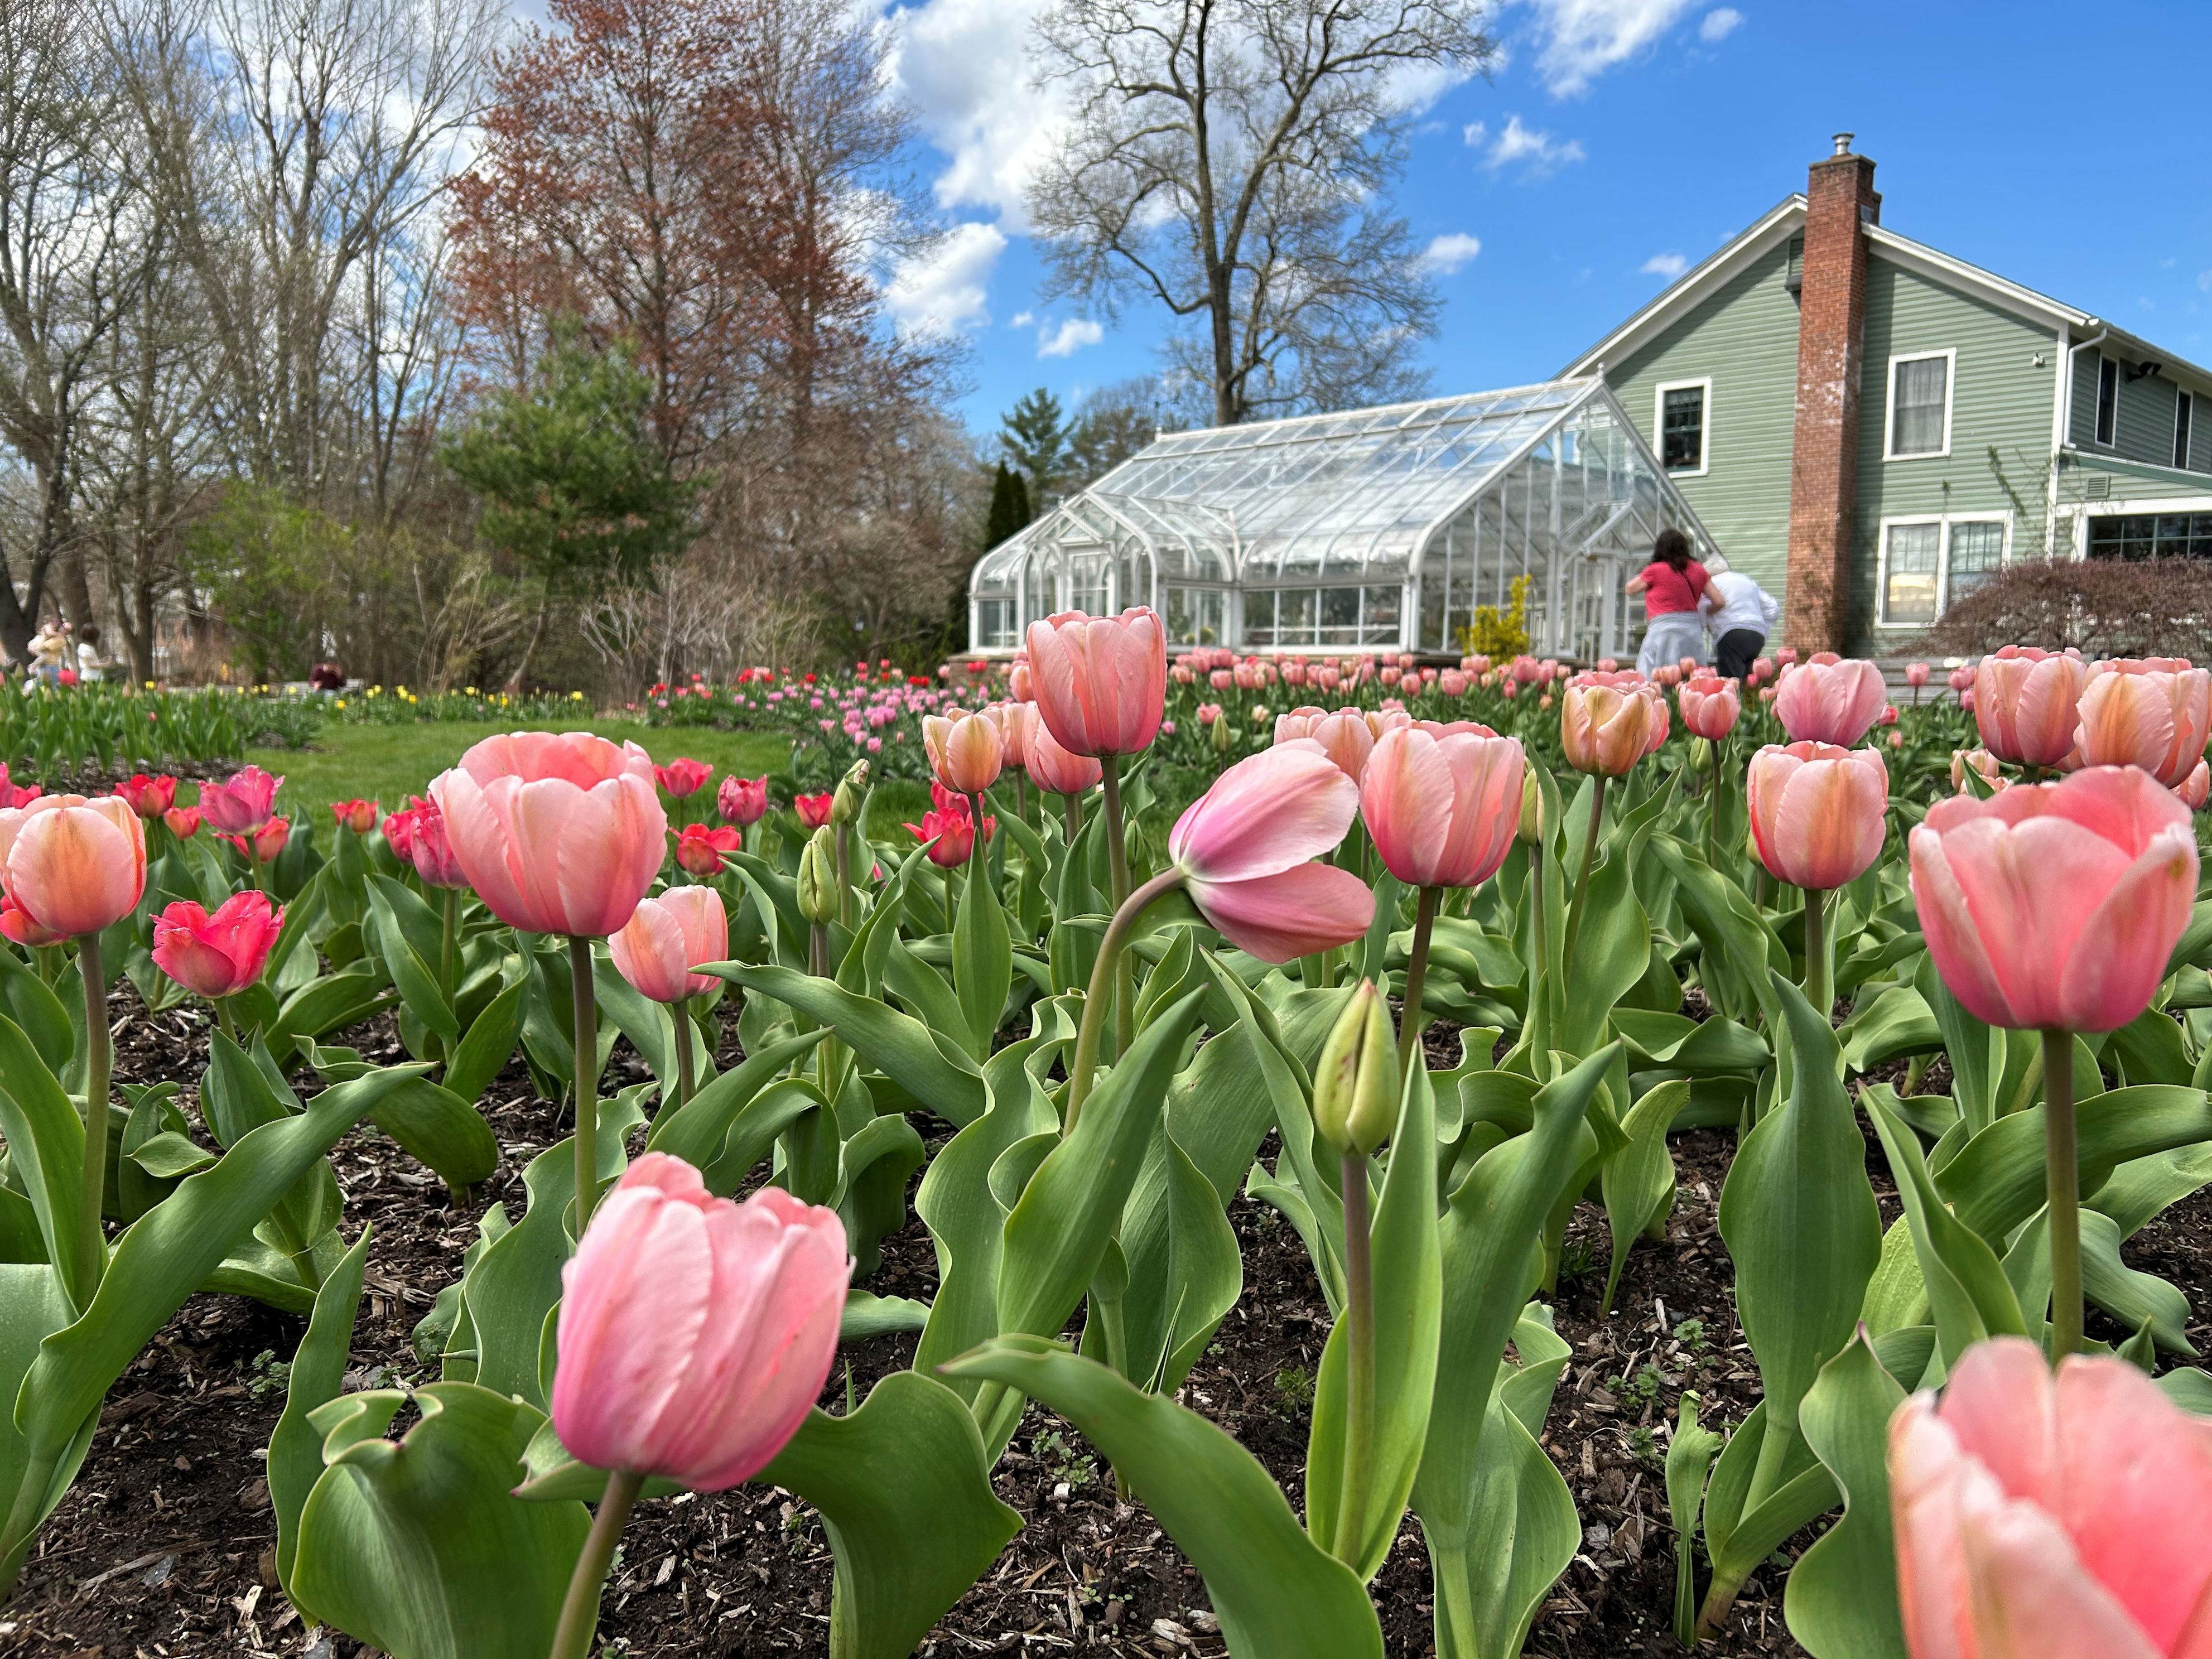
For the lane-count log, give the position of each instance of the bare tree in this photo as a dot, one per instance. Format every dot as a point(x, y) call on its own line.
point(1231, 160)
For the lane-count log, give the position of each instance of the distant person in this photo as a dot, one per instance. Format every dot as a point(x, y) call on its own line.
point(326, 676)
point(49, 650)
point(1739, 614)
point(1671, 585)
point(90, 665)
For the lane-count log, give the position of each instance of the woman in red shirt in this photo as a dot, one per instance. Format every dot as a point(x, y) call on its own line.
point(1670, 585)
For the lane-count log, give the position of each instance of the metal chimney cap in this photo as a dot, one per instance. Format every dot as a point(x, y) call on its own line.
point(1844, 143)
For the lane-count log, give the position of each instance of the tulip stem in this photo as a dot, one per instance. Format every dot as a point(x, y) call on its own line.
point(1074, 804)
point(1720, 771)
point(685, 1073)
point(1583, 875)
point(1819, 974)
point(449, 943)
point(1117, 865)
point(2063, 1174)
point(91, 1241)
point(844, 877)
point(586, 1031)
point(1102, 973)
point(1413, 1018)
point(1359, 1358)
point(580, 1608)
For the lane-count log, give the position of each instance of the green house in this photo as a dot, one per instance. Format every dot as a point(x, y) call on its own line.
point(1869, 426)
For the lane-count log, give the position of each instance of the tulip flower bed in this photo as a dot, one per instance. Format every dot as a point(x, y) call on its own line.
point(56, 731)
point(1448, 1190)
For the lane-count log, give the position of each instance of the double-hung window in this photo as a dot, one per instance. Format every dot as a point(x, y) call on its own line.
point(1920, 406)
point(1683, 419)
point(1930, 564)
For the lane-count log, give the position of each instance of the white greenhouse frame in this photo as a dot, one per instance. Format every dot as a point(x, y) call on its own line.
point(1372, 530)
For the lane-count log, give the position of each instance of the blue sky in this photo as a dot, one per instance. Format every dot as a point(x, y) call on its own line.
point(1622, 140)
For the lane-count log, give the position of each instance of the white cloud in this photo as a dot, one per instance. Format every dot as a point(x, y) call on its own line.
point(1070, 337)
point(1537, 152)
point(1583, 39)
point(1021, 319)
point(962, 67)
point(1474, 133)
point(1448, 253)
point(1719, 23)
point(947, 291)
point(1669, 266)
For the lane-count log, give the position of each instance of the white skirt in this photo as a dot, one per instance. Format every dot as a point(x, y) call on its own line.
point(1669, 638)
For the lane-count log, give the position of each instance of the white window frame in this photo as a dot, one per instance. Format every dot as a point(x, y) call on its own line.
point(2184, 427)
point(1704, 384)
point(1950, 356)
point(1944, 520)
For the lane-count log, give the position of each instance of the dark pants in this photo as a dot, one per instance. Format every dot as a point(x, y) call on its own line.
point(1732, 653)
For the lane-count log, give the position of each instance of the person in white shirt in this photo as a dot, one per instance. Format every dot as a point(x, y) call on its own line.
point(1739, 616)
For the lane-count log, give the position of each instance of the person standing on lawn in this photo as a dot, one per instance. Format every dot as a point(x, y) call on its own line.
point(1738, 615)
point(1671, 585)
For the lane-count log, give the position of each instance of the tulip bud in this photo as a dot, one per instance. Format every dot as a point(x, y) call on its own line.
point(845, 805)
point(1701, 755)
point(818, 877)
point(1224, 736)
point(1531, 829)
point(1355, 1100)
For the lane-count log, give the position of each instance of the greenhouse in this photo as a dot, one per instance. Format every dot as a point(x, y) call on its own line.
point(1376, 529)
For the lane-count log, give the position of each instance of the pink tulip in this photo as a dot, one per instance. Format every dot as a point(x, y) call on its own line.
point(1053, 768)
point(263, 844)
point(2026, 704)
point(218, 954)
point(1100, 682)
point(183, 822)
point(1817, 811)
point(1021, 682)
point(950, 833)
point(1607, 729)
point(1347, 737)
point(694, 1333)
point(2054, 906)
point(2196, 789)
point(15, 794)
point(2155, 713)
point(965, 750)
point(1015, 722)
point(2057, 1517)
point(1209, 713)
point(558, 833)
point(1787, 655)
point(666, 937)
point(1452, 682)
point(1963, 677)
point(814, 810)
point(1763, 668)
point(242, 803)
point(1328, 677)
point(1182, 674)
point(682, 777)
point(1442, 810)
point(430, 850)
point(743, 801)
point(73, 865)
point(1711, 707)
point(1829, 699)
point(1980, 761)
point(1915, 674)
point(1298, 723)
point(1246, 849)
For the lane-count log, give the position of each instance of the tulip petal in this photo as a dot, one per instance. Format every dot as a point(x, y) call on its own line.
point(2000, 1406)
point(1925, 1465)
point(1292, 913)
point(2031, 1597)
point(1406, 797)
point(1947, 919)
point(1268, 813)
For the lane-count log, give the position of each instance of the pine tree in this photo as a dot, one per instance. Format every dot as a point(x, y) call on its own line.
point(1010, 507)
point(1035, 437)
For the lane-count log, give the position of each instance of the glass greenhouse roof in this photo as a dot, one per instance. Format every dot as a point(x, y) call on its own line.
point(1346, 514)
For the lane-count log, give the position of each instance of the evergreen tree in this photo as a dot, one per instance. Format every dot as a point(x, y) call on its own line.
point(1035, 437)
point(1010, 507)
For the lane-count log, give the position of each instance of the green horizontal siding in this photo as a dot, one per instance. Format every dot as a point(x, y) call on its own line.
point(2001, 410)
point(2124, 482)
point(2143, 424)
point(1744, 337)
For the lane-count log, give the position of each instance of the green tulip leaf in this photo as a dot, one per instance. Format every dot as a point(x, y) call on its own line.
point(1840, 1600)
point(45, 1151)
point(317, 1376)
point(1996, 1181)
point(1689, 1456)
point(489, 1043)
point(1638, 1180)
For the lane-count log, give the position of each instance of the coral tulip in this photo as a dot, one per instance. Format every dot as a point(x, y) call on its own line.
point(1021, 683)
point(2053, 907)
point(682, 777)
point(241, 804)
point(1829, 699)
point(813, 810)
point(967, 751)
point(1100, 682)
point(16, 923)
point(701, 848)
point(264, 843)
point(2197, 787)
point(694, 1333)
point(358, 816)
point(2062, 1516)
point(148, 797)
point(218, 954)
point(668, 935)
point(183, 822)
point(558, 833)
point(1711, 707)
point(1052, 768)
point(1607, 729)
point(2026, 704)
point(72, 865)
point(1245, 852)
point(1982, 763)
point(1442, 811)
point(2155, 713)
point(743, 801)
point(1817, 811)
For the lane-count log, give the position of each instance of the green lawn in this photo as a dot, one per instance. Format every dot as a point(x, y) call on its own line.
point(388, 762)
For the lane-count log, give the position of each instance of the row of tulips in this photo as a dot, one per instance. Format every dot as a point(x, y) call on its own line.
point(1019, 966)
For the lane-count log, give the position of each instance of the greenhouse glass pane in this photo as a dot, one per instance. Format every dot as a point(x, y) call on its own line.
point(1339, 616)
point(1194, 616)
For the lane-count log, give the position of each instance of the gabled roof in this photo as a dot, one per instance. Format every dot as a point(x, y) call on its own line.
point(1786, 218)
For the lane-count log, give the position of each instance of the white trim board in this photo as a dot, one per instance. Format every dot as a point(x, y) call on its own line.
point(1889, 451)
point(1704, 384)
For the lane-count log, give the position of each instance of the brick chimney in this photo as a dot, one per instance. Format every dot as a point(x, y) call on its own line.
point(1839, 200)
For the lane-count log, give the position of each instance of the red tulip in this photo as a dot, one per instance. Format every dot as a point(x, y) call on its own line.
point(813, 810)
point(358, 816)
point(18, 924)
point(148, 797)
point(701, 849)
point(1443, 809)
point(1052, 768)
point(682, 777)
point(13, 794)
point(1246, 849)
point(242, 803)
point(2026, 704)
point(1829, 699)
point(694, 1333)
point(951, 835)
point(72, 865)
point(1711, 707)
point(2058, 1517)
point(1817, 811)
point(558, 833)
point(1101, 682)
point(666, 937)
point(2155, 713)
point(743, 801)
point(265, 841)
point(218, 954)
point(2054, 906)
point(965, 750)
point(184, 822)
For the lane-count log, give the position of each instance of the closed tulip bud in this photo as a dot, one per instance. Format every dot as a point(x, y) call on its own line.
point(1817, 811)
point(1710, 706)
point(1225, 736)
point(1701, 755)
point(668, 937)
point(1442, 811)
point(965, 750)
point(1607, 729)
point(241, 804)
point(1915, 674)
point(72, 865)
point(1530, 830)
point(1100, 682)
point(818, 877)
point(2155, 713)
point(1829, 699)
point(358, 816)
point(2025, 703)
point(851, 789)
point(183, 822)
point(1355, 1092)
point(682, 777)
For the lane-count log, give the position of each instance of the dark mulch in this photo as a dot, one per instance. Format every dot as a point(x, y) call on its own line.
point(165, 1547)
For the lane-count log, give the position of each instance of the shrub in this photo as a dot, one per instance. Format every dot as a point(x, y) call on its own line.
point(2103, 607)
